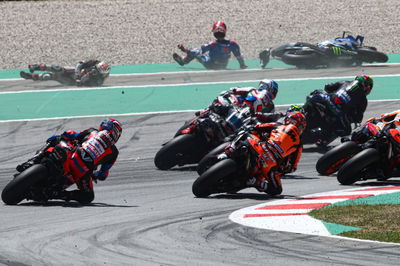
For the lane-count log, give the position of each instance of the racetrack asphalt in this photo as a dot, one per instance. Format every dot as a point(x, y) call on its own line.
point(144, 216)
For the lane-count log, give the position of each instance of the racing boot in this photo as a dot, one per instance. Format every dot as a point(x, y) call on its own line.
point(61, 195)
point(25, 75)
point(182, 48)
point(178, 59)
point(259, 182)
point(264, 57)
point(182, 61)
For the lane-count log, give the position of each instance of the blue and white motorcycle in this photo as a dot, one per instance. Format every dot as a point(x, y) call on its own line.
point(343, 51)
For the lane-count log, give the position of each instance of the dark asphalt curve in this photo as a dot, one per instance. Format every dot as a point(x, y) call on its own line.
point(143, 216)
point(211, 76)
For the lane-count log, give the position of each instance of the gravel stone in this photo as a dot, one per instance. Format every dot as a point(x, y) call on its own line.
point(148, 31)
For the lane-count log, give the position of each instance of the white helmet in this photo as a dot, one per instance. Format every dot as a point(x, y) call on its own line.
point(269, 85)
point(259, 101)
point(103, 68)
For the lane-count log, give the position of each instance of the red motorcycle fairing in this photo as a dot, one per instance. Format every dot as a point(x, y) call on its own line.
point(395, 134)
point(373, 128)
point(190, 128)
point(68, 147)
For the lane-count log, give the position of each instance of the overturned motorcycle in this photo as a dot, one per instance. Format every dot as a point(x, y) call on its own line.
point(344, 51)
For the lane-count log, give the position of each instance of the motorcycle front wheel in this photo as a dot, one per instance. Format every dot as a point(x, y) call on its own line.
point(184, 149)
point(15, 191)
point(208, 183)
point(210, 158)
point(332, 160)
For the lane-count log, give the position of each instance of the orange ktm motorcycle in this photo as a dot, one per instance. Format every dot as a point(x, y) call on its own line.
point(378, 159)
point(229, 170)
point(332, 160)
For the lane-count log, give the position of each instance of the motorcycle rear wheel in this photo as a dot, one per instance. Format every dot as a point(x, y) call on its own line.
point(184, 149)
point(332, 160)
point(351, 171)
point(208, 182)
point(15, 191)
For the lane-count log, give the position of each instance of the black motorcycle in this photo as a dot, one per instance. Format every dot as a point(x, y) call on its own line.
point(343, 51)
point(40, 178)
point(200, 135)
point(321, 122)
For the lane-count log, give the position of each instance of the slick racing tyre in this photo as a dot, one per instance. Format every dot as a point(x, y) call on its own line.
point(332, 160)
point(16, 190)
point(351, 171)
point(208, 183)
point(211, 158)
point(306, 60)
point(370, 55)
point(184, 149)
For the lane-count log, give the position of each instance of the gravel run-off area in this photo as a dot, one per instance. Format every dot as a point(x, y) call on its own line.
point(148, 31)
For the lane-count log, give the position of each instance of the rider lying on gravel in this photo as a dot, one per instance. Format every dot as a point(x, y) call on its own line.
point(86, 73)
point(219, 51)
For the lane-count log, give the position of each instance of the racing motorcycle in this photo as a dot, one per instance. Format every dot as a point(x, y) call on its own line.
point(230, 165)
point(343, 51)
point(40, 178)
point(377, 160)
point(321, 122)
point(200, 135)
point(332, 160)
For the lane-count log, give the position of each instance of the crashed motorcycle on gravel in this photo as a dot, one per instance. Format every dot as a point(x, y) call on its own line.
point(344, 51)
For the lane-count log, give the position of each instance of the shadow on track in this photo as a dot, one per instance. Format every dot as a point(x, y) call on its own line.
point(74, 204)
point(376, 183)
point(184, 168)
point(295, 177)
point(253, 196)
point(316, 149)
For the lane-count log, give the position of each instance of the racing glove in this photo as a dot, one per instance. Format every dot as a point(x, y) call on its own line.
point(54, 140)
